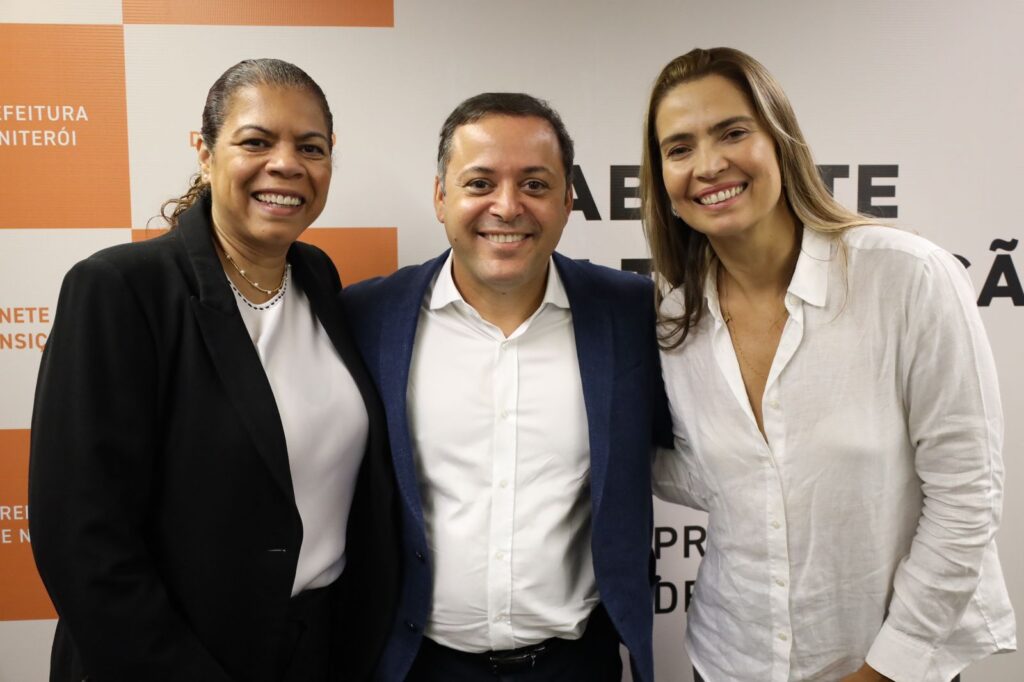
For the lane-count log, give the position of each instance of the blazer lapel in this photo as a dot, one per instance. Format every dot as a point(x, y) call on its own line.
point(595, 352)
point(234, 356)
point(322, 296)
point(398, 335)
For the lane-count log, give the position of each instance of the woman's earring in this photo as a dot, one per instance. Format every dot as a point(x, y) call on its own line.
point(673, 209)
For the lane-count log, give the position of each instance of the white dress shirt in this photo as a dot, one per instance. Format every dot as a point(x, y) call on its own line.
point(324, 419)
point(499, 432)
point(863, 526)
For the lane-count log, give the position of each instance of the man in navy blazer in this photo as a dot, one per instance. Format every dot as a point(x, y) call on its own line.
point(522, 391)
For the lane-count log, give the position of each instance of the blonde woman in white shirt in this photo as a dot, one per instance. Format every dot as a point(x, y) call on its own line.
point(834, 404)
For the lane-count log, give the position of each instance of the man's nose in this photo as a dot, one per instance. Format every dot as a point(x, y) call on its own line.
point(506, 204)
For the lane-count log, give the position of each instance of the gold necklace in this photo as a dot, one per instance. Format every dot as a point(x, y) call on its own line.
point(254, 285)
point(241, 272)
point(730, 323)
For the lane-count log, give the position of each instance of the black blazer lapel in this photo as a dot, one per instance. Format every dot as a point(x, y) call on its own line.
point(595, 352)
point(322, 295)
point(233, 353)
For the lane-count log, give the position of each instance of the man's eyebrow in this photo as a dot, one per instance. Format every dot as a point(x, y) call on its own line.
point(473, 170)
point(716, 128)
point(487, 170)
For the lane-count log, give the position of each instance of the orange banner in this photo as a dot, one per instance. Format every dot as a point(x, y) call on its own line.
point(63, 127)
point(376, 13)
point(22, 596)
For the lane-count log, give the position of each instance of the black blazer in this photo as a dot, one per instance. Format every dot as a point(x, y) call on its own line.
point(163, 519)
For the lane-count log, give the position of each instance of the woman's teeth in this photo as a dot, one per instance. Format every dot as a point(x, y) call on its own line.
point(279, 199)
point(719, 197)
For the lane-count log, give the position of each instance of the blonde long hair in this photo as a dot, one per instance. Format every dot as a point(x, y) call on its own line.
point(681, 255)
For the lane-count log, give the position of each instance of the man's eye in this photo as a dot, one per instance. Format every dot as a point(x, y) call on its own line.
point(535, 186)
point(477, 185)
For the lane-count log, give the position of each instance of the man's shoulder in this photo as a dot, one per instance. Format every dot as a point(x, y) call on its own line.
point(398, 281)
point(378, 295)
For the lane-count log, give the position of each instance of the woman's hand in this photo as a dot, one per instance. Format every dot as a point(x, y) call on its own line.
point(866, 674)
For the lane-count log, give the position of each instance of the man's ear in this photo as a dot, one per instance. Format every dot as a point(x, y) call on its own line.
point(439, 198)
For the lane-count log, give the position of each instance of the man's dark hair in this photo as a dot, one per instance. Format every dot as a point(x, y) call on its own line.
point(503, 104)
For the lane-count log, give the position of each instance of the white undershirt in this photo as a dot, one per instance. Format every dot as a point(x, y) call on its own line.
point(324, 419)
point(499, 429)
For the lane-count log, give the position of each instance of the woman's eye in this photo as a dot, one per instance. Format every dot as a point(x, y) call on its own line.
point(254, 143)
point(535, 186)
point(312, 149)
point(736, 134)
point(676, 152)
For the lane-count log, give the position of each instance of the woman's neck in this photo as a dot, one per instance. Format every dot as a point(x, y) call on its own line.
point(761, 262)
point(257, 274)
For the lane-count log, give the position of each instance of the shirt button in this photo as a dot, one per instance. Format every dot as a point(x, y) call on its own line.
point(782, 637)
point(780, 583)
point(499, 555)
point(504, 483)
point(504, 414)
point(774, 404)
point(500, 617)
point(776, 525)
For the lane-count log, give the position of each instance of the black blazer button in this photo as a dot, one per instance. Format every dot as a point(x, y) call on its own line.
point(419, 555)
point(411, 625)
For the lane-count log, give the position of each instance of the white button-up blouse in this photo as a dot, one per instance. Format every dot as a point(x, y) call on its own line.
point(862, 526)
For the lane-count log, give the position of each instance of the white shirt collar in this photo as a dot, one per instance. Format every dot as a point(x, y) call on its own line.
point(810, 278)
point(445, 292)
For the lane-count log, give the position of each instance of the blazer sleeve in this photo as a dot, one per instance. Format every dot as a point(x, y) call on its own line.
point(93, 486)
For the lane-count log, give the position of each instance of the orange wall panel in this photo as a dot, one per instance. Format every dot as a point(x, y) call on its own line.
point(63, 84)
point(380, 13)
point(358, 252)
point(22, 596)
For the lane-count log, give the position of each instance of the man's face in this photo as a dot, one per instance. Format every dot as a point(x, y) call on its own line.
point(504, 204)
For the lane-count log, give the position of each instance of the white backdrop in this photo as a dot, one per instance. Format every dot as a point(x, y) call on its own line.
point(933, 89)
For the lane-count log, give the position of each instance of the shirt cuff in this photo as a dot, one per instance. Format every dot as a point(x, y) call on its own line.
point(900, 657)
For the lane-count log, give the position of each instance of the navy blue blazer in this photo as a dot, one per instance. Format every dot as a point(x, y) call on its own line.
point(613, 320)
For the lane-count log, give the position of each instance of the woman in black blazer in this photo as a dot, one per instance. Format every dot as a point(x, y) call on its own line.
point(209, 481)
